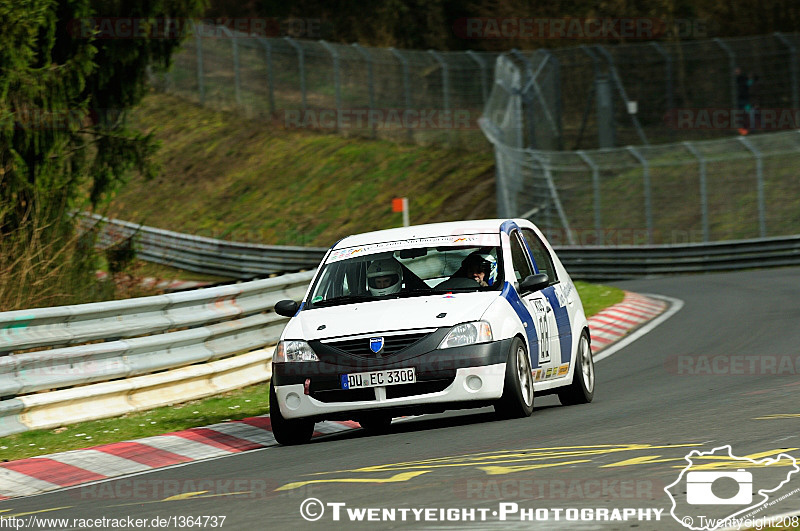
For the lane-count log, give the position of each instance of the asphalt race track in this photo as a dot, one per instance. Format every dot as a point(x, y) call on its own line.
point(722, 371)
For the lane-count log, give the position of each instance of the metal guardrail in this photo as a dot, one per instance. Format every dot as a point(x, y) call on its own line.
point(583, 263)
point(206, 255)
point(161, 332)
point(616, 263)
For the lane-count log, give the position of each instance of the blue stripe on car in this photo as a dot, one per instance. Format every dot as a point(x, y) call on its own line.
point(511, 295)
point(562, 320)
point(508, 226)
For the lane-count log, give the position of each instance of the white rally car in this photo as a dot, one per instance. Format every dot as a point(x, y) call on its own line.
point(429, 318)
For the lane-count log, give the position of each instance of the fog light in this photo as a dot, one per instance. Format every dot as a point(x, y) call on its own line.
point(293, 401)
point(474, 383)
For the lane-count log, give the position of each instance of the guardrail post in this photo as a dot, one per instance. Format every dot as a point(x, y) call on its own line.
point(793, 64)
point(621, 89)
point(648, 203)
point(445, 89)
point(336, 78)
point(237, 82)
point(762, 221)
point(482, 65)
point(301, 65)
point(406, 85)
point(596, 193)
point(732, 66)
point(370, 82)
point(668, 73)
point(270, 80)
point(198, 44)
point(703, 191)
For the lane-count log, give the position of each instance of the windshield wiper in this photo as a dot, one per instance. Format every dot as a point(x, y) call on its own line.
point(344, 299)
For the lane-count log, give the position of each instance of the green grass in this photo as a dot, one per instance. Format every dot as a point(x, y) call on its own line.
point(226, 176)
point(595, 297)
point(234, 405)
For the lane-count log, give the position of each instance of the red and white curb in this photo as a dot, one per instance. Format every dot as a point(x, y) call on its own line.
point(35, 475)
point(613, 323)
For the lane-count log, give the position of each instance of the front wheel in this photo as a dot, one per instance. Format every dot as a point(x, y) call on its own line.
point(287, 431)
point(581, 390)
point(517, 399)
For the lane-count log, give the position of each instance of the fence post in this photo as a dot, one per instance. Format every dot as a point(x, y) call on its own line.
point(406, 86)
point(270, 80)
point(237, 82)
point(445, 90)
point(301, 67)
point(370, 81)
point(793, 66)
point(482, 65)
point(703, 189)
point(648, 204)
point(732, 66)
point(670, 103)
point(198, 44)
point(336, 78)
point(531, 83)
point(762, 222)
point(615, 77)
point(596, 192)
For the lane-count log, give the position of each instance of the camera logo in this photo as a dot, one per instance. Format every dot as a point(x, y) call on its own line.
point(720, 486)
point(700, 487)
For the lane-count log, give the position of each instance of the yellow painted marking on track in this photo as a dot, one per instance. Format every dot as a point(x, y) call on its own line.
point(724, 462)
point(184, 495)
point(507, 457)
point(500, 470)
point(17, 515)
point(403, 476)
point(5, 510)
point(643, 460)
point(779, 416)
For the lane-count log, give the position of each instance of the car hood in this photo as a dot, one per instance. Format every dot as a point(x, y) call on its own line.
point(388, 315)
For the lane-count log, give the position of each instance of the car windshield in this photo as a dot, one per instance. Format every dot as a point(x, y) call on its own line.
point(351, 276)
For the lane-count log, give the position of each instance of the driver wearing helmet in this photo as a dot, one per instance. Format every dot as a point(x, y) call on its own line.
point(480, 268)
point(384, 277)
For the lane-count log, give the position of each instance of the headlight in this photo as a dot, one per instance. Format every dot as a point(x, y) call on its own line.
point(467, 334)
point(288, 351)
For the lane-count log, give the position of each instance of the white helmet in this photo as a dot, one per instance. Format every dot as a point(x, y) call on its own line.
point(384, 277)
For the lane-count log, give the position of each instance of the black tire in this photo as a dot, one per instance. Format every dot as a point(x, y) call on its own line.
point(376, 423)
point(517, 399)
point(287, 432)
point(581, 390)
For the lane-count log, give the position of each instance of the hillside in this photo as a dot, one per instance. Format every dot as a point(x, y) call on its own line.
point(226, 176)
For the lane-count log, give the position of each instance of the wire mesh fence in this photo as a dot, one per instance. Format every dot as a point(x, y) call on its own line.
point(404, 95)
point(682, 192)
point(582, 97)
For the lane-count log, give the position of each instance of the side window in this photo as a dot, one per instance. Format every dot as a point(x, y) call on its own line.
point(519, 258)
point(540, 255)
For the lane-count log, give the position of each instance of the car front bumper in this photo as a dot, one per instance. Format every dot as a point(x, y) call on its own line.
point(446, 379)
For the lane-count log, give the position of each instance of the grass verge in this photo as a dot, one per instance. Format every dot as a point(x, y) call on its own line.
point(234, 405)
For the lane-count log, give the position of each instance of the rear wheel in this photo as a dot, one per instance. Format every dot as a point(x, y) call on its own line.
point(517, 399)
point(287, 431)
point(581, 390)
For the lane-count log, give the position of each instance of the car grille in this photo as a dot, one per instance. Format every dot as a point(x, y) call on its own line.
point(391, 344)
point(344, 395)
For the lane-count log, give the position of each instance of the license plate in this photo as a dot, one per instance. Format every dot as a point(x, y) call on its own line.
point(359, 380)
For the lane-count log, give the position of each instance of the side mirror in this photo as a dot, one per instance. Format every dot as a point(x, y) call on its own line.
point(286, 308)
point(535, 282)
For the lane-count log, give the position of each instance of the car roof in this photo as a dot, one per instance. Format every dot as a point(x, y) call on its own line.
point(431, 230)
